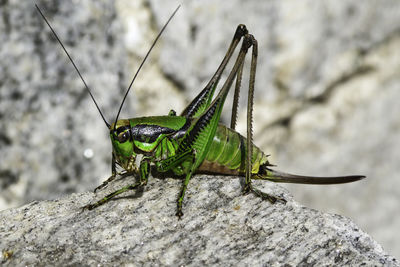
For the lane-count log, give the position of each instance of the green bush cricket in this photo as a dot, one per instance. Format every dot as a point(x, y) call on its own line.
point(195, 140)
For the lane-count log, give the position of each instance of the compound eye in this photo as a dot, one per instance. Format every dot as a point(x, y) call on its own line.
point(123, 137)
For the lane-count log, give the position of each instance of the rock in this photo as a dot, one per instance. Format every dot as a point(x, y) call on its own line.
point(220, 226)
point(327, 91)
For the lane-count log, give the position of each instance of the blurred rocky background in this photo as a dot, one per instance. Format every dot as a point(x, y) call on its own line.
point(326, 101)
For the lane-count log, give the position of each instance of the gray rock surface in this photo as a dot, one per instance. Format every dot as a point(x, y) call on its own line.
point(220, 226)
point(327, 91)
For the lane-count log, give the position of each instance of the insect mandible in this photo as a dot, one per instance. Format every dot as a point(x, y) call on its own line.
point(195, 140)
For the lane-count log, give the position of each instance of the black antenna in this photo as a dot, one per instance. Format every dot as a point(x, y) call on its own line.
point(144, 60)
point(73, 63)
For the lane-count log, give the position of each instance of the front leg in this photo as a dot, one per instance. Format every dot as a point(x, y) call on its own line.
point(144, 170)
point(143, 178)
point(112, 177)
point(179, 212)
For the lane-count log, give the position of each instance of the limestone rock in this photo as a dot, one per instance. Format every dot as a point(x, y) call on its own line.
point(220, 226)
point(327, 91)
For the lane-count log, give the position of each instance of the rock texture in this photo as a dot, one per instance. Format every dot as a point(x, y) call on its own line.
point(327, 91)
point(220, 226)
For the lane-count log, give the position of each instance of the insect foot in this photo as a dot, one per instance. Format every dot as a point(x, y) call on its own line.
point(88, 207)
point(105, 183)
point(179, 213)
point(272, 199)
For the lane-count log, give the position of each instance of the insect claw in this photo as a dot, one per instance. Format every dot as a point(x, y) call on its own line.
point(246, 189)
point(87, 207)
point(179, 213)
point(99, 187)
point(106, 182)
point(281, 199)
point(271, 199)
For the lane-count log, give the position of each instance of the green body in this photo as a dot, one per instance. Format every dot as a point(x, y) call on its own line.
point(226, 154)
point(195, 141)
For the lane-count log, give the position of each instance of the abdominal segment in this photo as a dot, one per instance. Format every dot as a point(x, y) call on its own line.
point(227, 154)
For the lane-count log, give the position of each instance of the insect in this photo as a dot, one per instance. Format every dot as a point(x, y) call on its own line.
point(195, 140)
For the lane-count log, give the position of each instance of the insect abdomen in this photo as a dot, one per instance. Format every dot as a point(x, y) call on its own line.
point(227, 154)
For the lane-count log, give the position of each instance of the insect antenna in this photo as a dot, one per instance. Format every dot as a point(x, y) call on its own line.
point(73, 63)
point(141, 64)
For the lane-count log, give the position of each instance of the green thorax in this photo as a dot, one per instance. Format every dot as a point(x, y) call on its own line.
point(172, 122)
point(147, 136)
